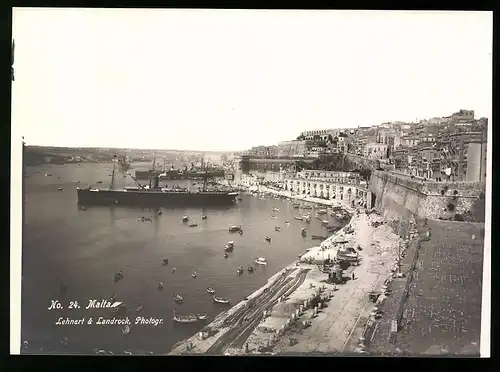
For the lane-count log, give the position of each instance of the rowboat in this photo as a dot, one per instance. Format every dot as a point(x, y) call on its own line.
point(188, 318)
point(221, 300)
point(178, 298)
point(261, 261)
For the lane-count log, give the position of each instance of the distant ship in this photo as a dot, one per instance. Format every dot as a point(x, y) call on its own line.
point(154, 195)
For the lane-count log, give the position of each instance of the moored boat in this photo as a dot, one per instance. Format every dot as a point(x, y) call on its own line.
point(210, 290)
point(188, 318)
point(318, 237)
point(239, 270)
point(185, 219)
point(234, 228)
point(299, 218)
point(178, 298)
point(261, 261)
point(221, 300)
point(228, 248)
point(193, 225)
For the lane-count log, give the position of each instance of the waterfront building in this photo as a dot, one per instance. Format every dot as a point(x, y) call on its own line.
point(344, 187)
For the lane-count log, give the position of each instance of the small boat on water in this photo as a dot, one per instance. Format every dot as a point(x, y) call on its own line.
point(261, 261)
point(194, 274)
point(230, 243)
point(165, 261)
point(48, 174)
point(185, 219)
point(210, 290)
point(159, 213)
point(160, 285)
point(274, 217)
point(268, 239)
point(234, 228)
point(277, 228)
point(178, 298)
point(228, 248)
point(239, 270)
point(174, 269)
point(221, 300)
point(60, 189)
point(99, 182)
point(203, 217)
point(250, 269)
point(126, 330)
point(193, 225)
point(119, 275)
point(298, 218)
point(226, 255)
point(275, 209)
point(324, 223)
point(139, 308)
point(188, 318)
point(318, 237)
point(303, 232)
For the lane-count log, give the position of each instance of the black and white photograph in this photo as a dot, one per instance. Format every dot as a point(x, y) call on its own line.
point(251, 182)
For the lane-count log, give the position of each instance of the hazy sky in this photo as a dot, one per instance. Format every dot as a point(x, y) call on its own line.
point(230, 80)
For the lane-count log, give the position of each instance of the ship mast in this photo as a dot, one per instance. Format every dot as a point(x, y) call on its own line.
point(112, 185)
point(205, 175)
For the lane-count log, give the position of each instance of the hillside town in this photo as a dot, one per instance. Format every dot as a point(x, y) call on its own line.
point(448, 148)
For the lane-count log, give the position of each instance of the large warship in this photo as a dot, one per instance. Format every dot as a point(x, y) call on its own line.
point(154, 195)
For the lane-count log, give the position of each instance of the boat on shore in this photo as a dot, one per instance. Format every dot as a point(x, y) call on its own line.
point(221, 300)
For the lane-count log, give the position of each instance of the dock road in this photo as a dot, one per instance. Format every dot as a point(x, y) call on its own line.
point(244, 320)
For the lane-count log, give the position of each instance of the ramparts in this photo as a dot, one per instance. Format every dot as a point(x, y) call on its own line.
point(399, 194)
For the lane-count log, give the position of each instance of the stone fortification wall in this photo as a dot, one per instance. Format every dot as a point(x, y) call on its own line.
point(400, 195)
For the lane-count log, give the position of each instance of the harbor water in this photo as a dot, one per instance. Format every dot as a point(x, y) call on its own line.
point(84, 249)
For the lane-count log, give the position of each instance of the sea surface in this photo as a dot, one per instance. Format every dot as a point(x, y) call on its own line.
point(83, 249)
